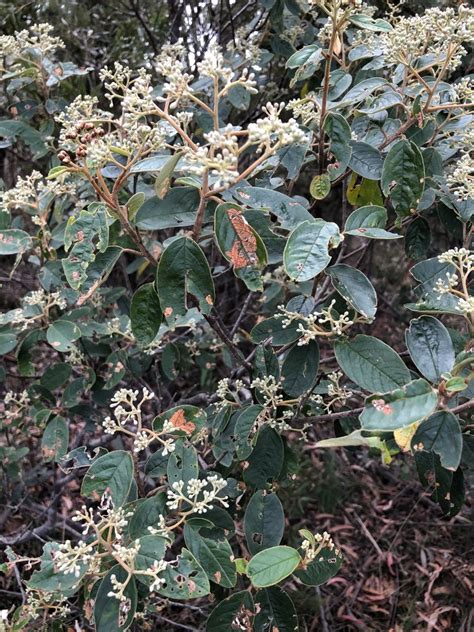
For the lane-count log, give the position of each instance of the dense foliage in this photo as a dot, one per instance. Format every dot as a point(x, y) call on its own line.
point(201, 245)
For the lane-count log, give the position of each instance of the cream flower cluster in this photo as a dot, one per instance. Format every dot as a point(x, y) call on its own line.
point(461, 179)
point(270, 389)
point(437, 32)
point(271, 132)
point(197, 494)
point(311, 328)
point(312, 545)
point(227, 393)
point(31, 192)
point(457, 283)
point(127, 409)
point(36, 38)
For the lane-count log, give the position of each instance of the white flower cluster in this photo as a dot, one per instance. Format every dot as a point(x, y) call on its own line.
point(439, 32)
point(169, 64)
point(312, 545)
point(220, 156)
point(38, 602)
point(311, 328)
point(43, 300)
point(246, 45)
point(225, 390)
point(37, 38)
point(271, 132)
point(461, 180)
point(31, 192)
point(16, 405)
point(270, 389)
point(307, 109)
point(457, 283)
point(195, 494)
point(127, 409)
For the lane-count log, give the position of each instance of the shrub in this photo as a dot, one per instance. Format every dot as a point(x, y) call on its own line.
point(202, 303)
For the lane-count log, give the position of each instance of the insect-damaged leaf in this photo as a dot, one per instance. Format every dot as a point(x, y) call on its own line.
point(183, 272)
point(240, 244)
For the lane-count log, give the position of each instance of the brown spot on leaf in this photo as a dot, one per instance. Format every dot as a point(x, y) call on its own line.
point(178, 420)
point(244, 248)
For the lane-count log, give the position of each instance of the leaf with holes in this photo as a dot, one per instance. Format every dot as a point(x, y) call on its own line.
point(264, 522)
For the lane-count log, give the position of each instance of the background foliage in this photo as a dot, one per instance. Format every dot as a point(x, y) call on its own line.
point(244, 246)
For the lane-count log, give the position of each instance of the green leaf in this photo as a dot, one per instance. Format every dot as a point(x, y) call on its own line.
point(306, 251)
point(273, 329)
point(339, 132)
point(49, 580)
point(320, 186)
point(56, 375)
point(244, 425)
point(264, 522)
point(266, 460)
point(112, 472)
point(367, 161)
point(399, 408)
point(355, 288)
point(183, 463)
point(417, 239)
point(326, 564)
point(240, 244)
point(430, 347)
point(134, 204)
point(177, 209)
point(440, 434)
point(62, 334)
point(370, 216)
point(307, 61)
point(79, 236)
point(229, 610)
point(300, 368)
point(403, 177)
point(369, 222)
point(369, 24)
point(108, 615)
point(163, 179)
point(447, 486)
point(145, 314)
point(215, 557)
point(7, 343)
point(152, 547)
point(55, 439)
point(183, 271)
point(371, 364)
point(186, 579)
point(271, 566)
point(147, 514)
point(275, 611)
point(289, 212)
point(14, 241)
